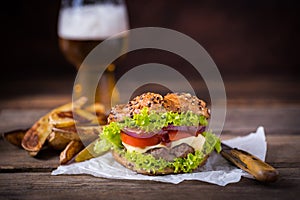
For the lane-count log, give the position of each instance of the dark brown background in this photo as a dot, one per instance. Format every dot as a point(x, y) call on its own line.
point(245, 38)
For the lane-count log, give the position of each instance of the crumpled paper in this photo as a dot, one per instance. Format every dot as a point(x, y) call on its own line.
point(217, 170)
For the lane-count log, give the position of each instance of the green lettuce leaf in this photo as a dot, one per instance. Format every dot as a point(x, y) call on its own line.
point(152, 121)
point(191, 162)
point(211, 142)
point(109, 138)
point(102, 146)
point(146, 161)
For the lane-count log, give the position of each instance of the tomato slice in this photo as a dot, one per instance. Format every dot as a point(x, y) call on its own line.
point(177, 135)
point(140, 142)
point(156, 139)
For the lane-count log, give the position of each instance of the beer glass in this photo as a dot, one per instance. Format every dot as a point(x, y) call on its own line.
point(82, 25)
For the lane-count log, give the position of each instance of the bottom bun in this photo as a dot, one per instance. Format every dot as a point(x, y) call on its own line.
point(130, 165)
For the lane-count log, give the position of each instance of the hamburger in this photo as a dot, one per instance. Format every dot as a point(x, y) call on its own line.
point(156, 135)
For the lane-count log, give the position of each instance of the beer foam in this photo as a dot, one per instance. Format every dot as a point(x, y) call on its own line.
point(95, 22)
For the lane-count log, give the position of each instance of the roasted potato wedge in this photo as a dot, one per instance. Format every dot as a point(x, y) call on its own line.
point(69, 133)
point(62, 119)
point(70, 151)
point(96, 108)
point(63, 116)
point(67, 118)
point(89, 133)
point(57, 141)
point(100, 112)
point(84, 133)
point(65, 128)
point(88, 152)
point(36, 136)
point(15, 137)
point(84, 115)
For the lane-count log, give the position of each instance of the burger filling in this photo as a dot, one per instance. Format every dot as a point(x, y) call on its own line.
point(154, 141)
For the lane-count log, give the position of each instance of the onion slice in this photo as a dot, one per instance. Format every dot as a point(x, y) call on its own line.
point(188, 129)
point(139, 133)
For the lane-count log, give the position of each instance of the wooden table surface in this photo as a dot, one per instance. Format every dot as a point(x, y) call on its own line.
point(272, 103)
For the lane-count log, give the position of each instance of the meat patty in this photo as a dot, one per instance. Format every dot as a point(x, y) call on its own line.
point(179, 151)
point(182, 150)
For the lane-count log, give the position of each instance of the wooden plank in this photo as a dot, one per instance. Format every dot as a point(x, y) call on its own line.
point(263, 89)
point(44, 186)
point(283, 151)
point(240, 91)
point(279, 120)
point(13, 119)
point(17, 160)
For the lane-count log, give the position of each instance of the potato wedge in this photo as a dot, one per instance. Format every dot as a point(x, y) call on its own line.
point(36, 136)
point(100, 112)
point(70, 151)
point(69, 133)
point(63, 116)
point(58, 127)
point(15, 137)
point(57, 141)
point(62, 119)
point(88, 152)
point(96, 108)
point(84, 115)
point(89, 133)
point(84, 133)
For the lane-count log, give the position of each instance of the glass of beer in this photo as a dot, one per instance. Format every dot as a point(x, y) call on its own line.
point(82, 25)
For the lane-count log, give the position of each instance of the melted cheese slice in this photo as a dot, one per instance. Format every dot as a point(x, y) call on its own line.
point(195, 142)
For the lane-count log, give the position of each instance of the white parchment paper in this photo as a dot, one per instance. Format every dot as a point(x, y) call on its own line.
point(216, 171)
